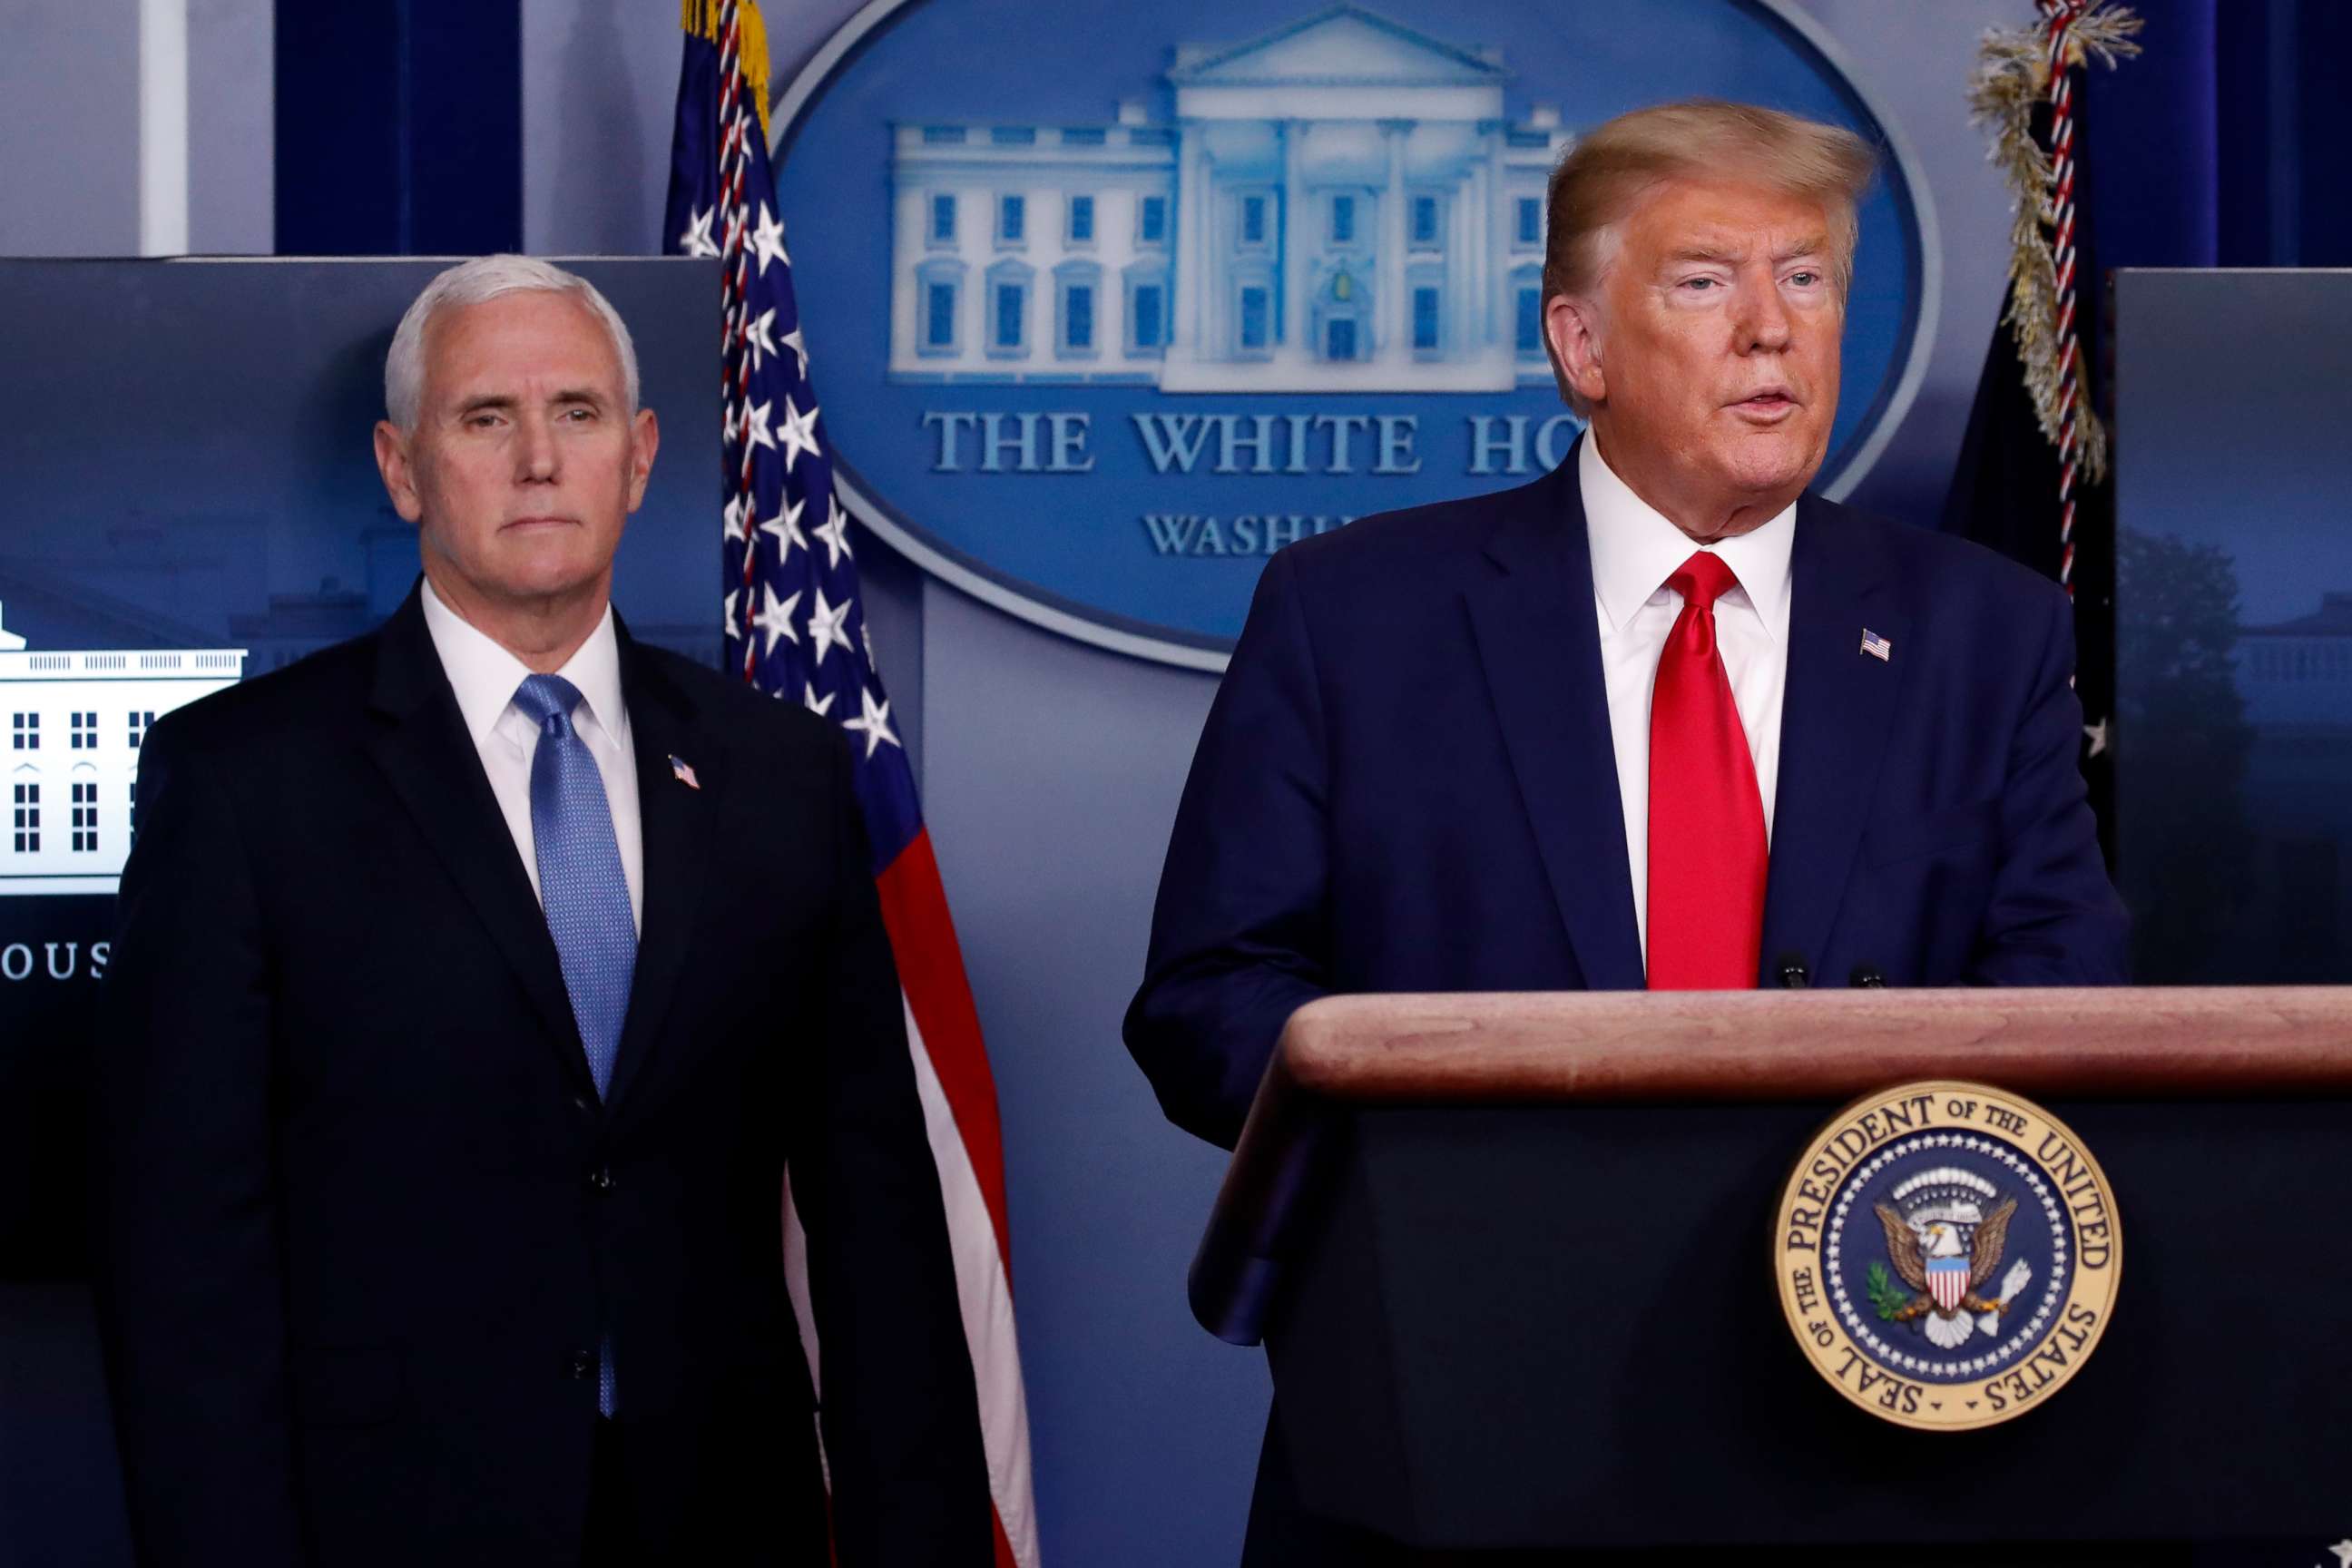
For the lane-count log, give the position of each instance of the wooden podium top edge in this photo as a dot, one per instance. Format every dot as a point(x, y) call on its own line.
point(1821, 1045)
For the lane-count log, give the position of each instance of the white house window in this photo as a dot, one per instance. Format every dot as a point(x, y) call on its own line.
point(24, 732)
point(29, 819)
point(1343, 220)
point(1011, 221)
point(939, 295)
point(1151, 221)
point(1147, 309)
point(1077, 289)
point(1253, 320)
point(1082, 220)
point(1426, 215)
point(140, 720)
point(1426, 319)
point(943, 209)
point(85, 818)
point(1253, 220)
point(131, 813)
point(85, 732)
point(1530, 229)
point(1008, 310)
point(1528, 336)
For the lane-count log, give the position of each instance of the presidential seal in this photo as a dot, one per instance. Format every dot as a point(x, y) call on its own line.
point(1947, 1255)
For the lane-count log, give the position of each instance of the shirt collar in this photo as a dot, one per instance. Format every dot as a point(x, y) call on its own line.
point(484, 675)
point(1636, 549)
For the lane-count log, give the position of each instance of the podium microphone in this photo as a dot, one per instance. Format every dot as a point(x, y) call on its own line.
point(1867, 977)
point(1791, 967)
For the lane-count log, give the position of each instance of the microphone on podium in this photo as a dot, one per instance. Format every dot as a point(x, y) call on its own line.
point(1867, 977)
point(1791, 967)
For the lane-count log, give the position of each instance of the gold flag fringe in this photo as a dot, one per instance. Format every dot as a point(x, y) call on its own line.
point(2012, 80)
point(700, 17)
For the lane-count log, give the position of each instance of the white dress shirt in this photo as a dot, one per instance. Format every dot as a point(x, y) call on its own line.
point(1634, 550)
point(485, 675)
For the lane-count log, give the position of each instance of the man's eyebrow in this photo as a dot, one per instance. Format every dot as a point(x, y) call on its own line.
point(482, 400)
point(1811, 245)
point(580, 394)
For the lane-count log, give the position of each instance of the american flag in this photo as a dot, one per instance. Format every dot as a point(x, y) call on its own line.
point(1876, 647)
point(795, 628)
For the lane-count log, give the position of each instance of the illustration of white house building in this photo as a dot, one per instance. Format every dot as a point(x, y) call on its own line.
point(1340, 205)
point(75, 722)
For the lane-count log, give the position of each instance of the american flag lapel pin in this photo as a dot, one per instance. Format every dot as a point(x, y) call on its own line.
point(684, 774)
point(1876, 647)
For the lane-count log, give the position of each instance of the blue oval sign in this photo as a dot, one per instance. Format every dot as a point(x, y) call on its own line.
point(1113, 302)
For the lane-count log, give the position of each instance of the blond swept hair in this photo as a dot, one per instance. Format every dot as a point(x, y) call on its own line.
point(1608, 171)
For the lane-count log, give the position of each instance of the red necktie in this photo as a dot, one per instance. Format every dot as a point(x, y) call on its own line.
point(1707, 819)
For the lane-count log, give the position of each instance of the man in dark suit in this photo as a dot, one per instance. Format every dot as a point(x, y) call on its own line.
point(1661, 718)
point(475, 983)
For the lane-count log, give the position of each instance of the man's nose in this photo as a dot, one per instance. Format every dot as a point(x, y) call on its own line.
point(1762, 320)
point(536, 455)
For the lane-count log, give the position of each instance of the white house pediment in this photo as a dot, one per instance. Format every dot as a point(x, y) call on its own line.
point(1345, 45)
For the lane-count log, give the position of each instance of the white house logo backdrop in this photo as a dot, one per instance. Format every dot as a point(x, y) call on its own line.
point(1112, 302)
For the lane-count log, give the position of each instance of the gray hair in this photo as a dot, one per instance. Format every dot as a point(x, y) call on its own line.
point(471, 283)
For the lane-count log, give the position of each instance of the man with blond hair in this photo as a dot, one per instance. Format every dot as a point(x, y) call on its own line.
point(1662, 718)
point(474, 982)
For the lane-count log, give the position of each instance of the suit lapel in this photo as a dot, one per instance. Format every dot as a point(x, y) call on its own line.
point(1835, 718)
point(426, 754)
point(1540, 646)
point(680, 841)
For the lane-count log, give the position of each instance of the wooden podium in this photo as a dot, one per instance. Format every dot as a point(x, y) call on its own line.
point(1509, 1256)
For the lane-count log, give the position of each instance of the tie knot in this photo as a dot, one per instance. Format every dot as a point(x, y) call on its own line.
point(1702, 580)
point(545, 697)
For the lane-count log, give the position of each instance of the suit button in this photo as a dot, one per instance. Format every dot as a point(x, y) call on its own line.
point(584, 1105)
point(601, 1178)
point(580, 1366)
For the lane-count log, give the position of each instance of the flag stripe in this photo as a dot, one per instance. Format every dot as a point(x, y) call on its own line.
point(984, 1293)
point(931, 972)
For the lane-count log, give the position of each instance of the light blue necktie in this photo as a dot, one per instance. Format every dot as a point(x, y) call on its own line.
point(582, 891)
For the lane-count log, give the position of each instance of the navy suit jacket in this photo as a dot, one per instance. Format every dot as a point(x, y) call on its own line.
point(1407, 783)
point(362, 1220)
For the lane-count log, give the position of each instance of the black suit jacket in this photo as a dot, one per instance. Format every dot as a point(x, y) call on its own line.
point(362, 1220)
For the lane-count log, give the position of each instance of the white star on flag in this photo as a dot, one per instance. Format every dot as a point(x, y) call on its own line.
point(813, 703)
point(874, 723)
point(775, 616)
point(757, 338)
point(834, 531)
point(767, 239)
point(828, 627)
point(755, 424)
point(732, 518)
point(798, 435)
point(733, 631)
point(793, 341)
point(786, 527)
point(697, 240)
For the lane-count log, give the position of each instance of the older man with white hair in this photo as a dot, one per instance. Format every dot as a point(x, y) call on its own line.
point(1663, 718)
point(453, 1052)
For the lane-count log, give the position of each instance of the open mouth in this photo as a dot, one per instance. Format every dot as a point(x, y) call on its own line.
point(1770, 405)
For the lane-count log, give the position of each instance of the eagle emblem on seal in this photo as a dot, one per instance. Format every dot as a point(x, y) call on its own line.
point(1947, 1230)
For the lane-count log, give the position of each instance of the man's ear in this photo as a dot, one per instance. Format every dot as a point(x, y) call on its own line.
point(1572, 327)
point(645, 441)
point(392, 461)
